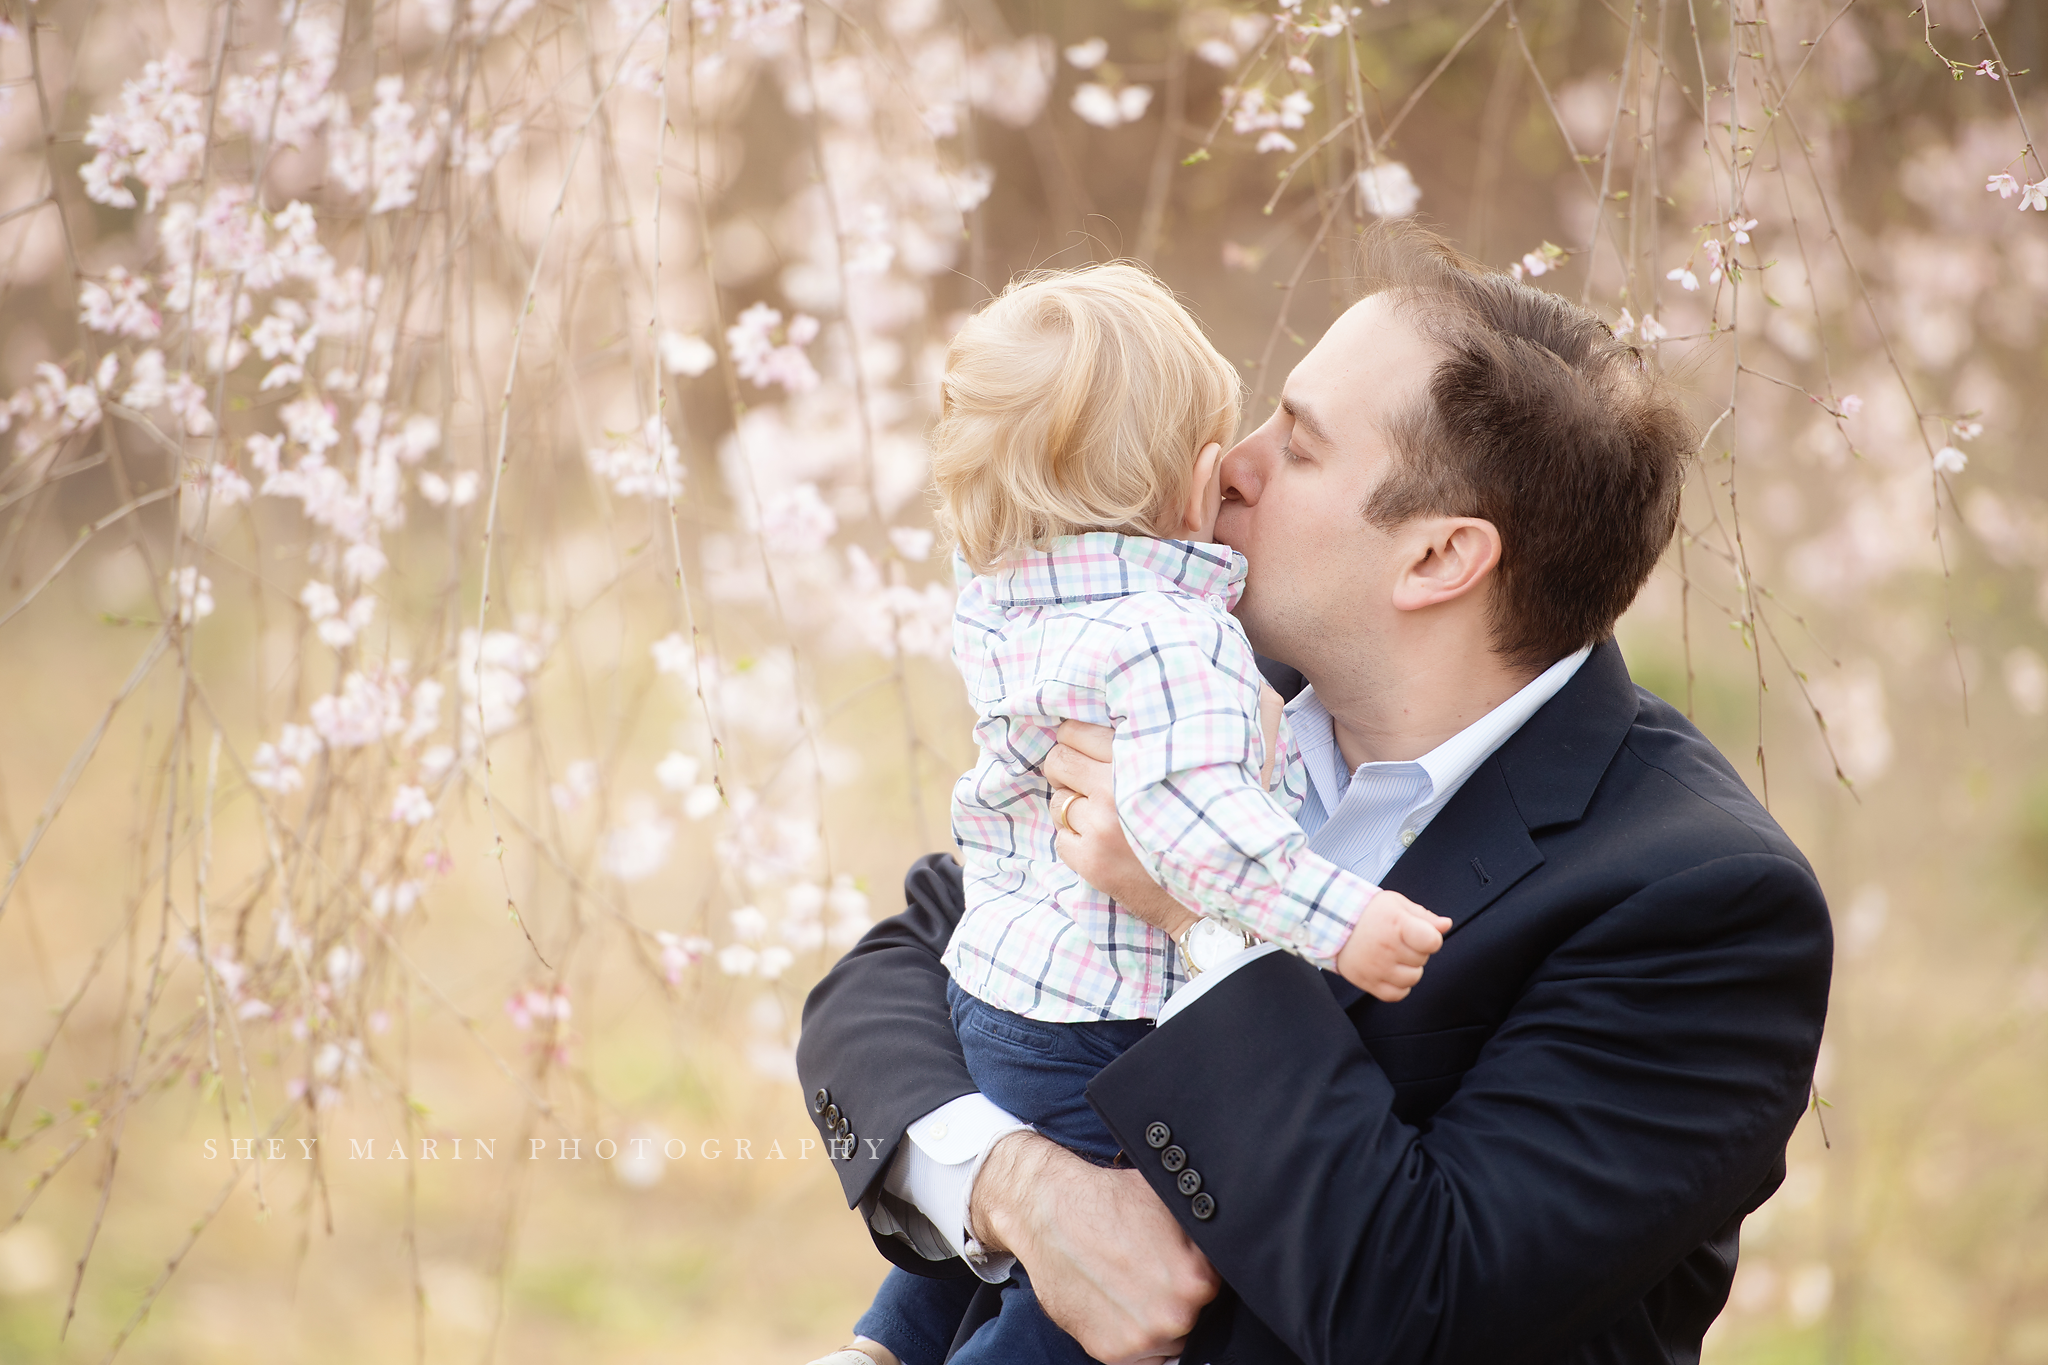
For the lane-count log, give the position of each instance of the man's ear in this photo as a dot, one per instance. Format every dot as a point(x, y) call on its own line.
point(1448, 558)
point(1195, 517)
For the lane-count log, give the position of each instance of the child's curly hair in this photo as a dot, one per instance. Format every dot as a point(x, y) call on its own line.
point(1077, 400)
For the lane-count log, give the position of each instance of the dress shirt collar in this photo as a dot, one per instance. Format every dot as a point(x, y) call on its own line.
point(1447, 765)
point(1099, 565)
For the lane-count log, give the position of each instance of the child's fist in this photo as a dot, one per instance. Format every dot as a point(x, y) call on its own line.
point(1386, 951)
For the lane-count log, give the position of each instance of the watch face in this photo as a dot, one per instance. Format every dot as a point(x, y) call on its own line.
point(1211, 942)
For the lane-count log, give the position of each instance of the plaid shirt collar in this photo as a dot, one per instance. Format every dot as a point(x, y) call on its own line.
point(1099, 565)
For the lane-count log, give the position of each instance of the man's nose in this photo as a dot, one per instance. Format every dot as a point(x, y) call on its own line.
point(1241, 472)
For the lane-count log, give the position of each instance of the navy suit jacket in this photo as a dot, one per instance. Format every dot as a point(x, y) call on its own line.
point(1544, 1153)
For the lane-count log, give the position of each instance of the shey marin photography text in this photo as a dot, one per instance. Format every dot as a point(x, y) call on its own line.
point(634, 1155)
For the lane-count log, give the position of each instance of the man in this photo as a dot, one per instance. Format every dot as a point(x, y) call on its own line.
point(1546, 1151)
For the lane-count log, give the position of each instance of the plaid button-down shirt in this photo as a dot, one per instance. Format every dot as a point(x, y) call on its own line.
point(1135, 634)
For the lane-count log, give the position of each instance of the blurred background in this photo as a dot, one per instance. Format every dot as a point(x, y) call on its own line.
point(473, 649)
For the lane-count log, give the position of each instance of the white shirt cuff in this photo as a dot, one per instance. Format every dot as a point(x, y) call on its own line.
point(935, 1172)
point(1203, 984)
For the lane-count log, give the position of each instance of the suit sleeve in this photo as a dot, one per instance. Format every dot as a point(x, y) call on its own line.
point(877, 1040)
point(1642, 1087)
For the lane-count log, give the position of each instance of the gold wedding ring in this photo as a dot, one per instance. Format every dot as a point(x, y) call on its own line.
point(1061, 805)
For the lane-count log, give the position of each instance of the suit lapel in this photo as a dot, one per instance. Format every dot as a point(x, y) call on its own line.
point(1461, 865)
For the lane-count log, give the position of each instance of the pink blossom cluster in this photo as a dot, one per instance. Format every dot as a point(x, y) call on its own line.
point(646, 464)
point(2005, 185)
point(1254, 110)
point(536, 1005)
point(768, 354)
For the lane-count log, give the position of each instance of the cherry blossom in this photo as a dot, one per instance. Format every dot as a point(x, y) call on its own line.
point(686, 355)
point(442, 492)
point(195, 595)
point(411, 806)
point(1252, 110)
point(269, 770)
point(1949, 460)
point(1108, 108)
point(1711, 248)
point(536, 1006)
point(492, 670)
point(645, 465)
point(1541, 261)
point(677, 772)
point(156, 136)
point(914, 543)
point(1686, 279)
point(2003, 184)
point(579, 783)
point(797, 522)
point(679, 954)
point(673, 655)
point(226, 487)
point(1087, 56)
point(1388, 190)
point(367, 707)
point(1012, 81)
point(386, 155)
point(2035, 196)
point(1850, 405)
point(767, 354)
point(119, 307)
point(637, 847)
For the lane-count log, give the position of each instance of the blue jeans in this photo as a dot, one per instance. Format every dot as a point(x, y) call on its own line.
point(1039, 1072)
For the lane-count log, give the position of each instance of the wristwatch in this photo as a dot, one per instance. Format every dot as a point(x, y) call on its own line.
point(1208, 943)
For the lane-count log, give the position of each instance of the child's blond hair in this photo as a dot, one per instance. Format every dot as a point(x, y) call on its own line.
point(1077, 400)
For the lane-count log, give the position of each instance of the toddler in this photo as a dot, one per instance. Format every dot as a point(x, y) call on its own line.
point(1076, 461)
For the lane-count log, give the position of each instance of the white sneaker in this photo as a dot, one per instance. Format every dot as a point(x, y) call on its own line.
point(845, 1356)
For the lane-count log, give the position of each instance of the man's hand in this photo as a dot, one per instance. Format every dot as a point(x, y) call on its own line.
point(1386, 951)
point(1106, 1259)
point(1097, 849)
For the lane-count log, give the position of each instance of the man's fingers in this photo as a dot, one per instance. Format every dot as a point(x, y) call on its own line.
point(1093, 741)
point(1069, 767)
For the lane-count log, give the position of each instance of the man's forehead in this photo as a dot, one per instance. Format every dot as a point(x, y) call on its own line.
point(1369, 361)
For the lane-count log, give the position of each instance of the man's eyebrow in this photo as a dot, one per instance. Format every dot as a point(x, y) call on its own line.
point(1305, 418)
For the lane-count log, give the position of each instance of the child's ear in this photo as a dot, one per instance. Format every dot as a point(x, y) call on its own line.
point(1197, 517)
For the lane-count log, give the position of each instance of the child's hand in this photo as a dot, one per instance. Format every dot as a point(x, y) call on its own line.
point(1384, 955)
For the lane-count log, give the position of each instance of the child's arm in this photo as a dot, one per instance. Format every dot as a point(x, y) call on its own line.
point(1187, 758)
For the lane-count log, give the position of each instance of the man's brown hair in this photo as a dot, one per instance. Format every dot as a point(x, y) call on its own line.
point(1540, 422)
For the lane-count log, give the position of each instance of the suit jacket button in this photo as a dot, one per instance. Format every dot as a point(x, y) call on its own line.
point(1190, 1181)
point(1157, 1135)
point(1173, 1158)
point(820, 1099)
point(1203, 1207)
point(831, 1113)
